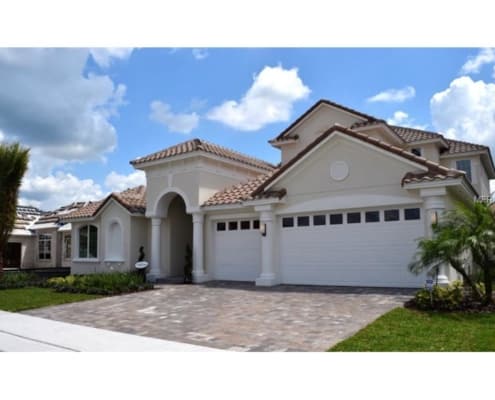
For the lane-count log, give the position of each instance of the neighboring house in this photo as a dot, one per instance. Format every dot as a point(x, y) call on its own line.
point(40, 239)
point(345, 206)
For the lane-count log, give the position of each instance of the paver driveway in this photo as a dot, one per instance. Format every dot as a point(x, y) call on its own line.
point(237, 316)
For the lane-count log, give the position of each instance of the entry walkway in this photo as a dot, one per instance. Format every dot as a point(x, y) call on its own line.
point(20, 332)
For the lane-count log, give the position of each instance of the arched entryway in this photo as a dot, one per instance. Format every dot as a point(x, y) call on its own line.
point(174, 228)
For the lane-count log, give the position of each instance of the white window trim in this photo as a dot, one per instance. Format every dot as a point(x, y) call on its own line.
point(98, 250)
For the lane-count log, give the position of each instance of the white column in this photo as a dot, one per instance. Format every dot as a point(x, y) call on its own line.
point(434, 206)
point(267, 276)
point(198, 271)
point(155, 272)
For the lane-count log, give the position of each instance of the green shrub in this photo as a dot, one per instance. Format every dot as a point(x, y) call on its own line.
point(14, 280)
point(103, 283)
point(449, 298)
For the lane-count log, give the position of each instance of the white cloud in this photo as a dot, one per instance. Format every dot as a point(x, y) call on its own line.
point(2, 136)
point(104, 56)
point(394, 95)
point(474, 64)
point(466, 111)
point(200, 54)
point(47, 103)
point(402, 118)
point(182, 123)
point(117, 182)
point(269, 99)
point(52, 191)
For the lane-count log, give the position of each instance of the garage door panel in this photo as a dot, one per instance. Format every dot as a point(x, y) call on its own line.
point(237, 255)
point(362, 254)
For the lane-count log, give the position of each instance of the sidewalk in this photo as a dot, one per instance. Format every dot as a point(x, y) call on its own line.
point(20, 332)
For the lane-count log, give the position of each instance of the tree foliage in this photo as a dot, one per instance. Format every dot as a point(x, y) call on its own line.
point(13, 165)
point(465, 239)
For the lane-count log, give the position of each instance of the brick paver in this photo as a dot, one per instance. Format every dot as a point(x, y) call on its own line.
point(237, 316)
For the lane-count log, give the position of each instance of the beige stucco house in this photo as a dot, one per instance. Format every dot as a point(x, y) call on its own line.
point(344, 207)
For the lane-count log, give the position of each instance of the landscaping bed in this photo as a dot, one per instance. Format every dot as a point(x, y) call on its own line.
point(405, 329)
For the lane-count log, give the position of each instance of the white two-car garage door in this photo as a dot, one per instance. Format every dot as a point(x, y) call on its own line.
point(237, 250)
point(355, 248)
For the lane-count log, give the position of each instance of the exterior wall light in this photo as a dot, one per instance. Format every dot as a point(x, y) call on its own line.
point(263, 229)
point(434, 218)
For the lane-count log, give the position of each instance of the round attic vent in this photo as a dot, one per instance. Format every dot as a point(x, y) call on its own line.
point(339, 170)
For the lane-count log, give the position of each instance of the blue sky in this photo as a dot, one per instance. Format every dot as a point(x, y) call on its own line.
point(87, 113)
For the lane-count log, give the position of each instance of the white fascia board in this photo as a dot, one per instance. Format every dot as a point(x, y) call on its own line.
point(442, 183)
point(352, 139)
point(222, 207)
point(427, 141)
point(262, 202)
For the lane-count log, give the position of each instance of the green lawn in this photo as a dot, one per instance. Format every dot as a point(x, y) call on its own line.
point(407, 330)
point(27, 298)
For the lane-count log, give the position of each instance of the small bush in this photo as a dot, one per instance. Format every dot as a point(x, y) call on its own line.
point(454, 297)
point(104, 284)
point(14, 280)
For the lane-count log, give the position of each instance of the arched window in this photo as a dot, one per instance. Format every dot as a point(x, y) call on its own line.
point(114, 242)
point(88, 241)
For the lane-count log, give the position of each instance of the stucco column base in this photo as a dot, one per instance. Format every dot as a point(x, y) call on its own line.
point(266, 280)
point(152, 278)
point(200, 278)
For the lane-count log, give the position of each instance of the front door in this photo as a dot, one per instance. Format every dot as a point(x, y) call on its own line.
point(14, 255)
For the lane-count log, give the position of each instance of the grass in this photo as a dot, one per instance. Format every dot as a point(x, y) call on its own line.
point(408, 330)
point(28, 298)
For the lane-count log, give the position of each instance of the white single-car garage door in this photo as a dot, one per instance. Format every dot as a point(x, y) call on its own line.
point(354, 248)
point(237, 250)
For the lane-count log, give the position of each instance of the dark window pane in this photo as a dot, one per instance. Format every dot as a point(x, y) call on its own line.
point(232, 225)
point(353, 218)
point(391, 215)
point(336, 219)
point(256, 224)
point(287, 222)
point(464, 165)
point(303, 221)
point(93, 242)
point(319, 220)
point(220, 226)
point(83, 242)
point(416, 151)
point(411, 213)
point(245, 225)
point(372, 216)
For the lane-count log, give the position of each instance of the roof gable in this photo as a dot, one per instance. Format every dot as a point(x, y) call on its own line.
point(361, 117)
point(428, 168)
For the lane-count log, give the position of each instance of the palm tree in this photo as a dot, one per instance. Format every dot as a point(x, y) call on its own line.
point(464, 238)
point(13, 165)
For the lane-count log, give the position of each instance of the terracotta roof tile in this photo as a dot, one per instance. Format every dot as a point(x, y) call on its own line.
point(202, 145)
point(456, 146)
point(134, 200)
point(241, 192)
point(414, 135)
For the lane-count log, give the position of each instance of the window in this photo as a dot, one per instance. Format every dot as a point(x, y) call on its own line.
point(411, 213)
point(67, 247)
point(221, 226)
point(45, 247)
point(303, 221)
point(88, 241)
point(354, 218)
point(372, 216)
point(232, 225)
point(464, 165)
point(287, 222)
point(245, 225)
point(336, 219)
point(256, 224)
point(391, 215)
point(319, 220)
point(416, 151)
